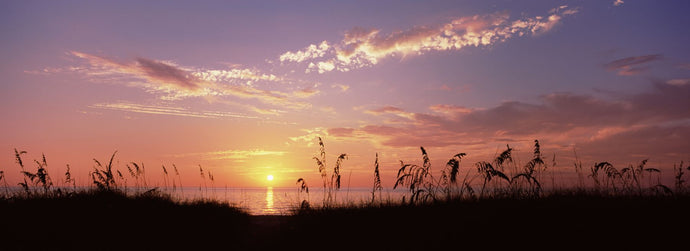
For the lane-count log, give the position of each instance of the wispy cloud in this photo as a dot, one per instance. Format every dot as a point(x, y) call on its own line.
point(167, 110)
point(235, 155)
point(562, 117)
point(341, 132)
point(164, 73)
point(158, 75)
point(618, 3)
point(305, 93)
point(631, 65)
point(679, 81)
point(391, 110)
point(450, 109)
point(308, 137)
point(342, 88)
point(363, 47)
point(176, 82)
point(234, 74)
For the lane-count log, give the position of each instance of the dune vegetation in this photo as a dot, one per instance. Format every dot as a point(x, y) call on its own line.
point(503, 178)
point(493, 204)
point(111, 214)
point(499, 204)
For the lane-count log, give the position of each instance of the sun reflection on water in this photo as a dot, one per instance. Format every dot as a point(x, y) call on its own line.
point(269, 201)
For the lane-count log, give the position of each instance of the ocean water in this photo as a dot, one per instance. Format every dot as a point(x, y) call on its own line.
point(281, 200)
point(261, 200)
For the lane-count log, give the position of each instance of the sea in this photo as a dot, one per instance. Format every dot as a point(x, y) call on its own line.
point(284, 200)
point(259, 200)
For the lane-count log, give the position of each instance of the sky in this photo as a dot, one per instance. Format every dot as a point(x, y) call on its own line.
point(243, 89)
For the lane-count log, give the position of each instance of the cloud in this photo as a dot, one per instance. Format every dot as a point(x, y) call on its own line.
point(236, 155)
point(163, 75)
point(176, 82)
point(563, 119)
point(385, 109)
point(631, 65)
point(320, 67)
point(241, 154)
point(450, 109)
point(454, 88)
point(158, 71)
point(362, 47)
point(328, 109)
point(309, 136)
point(167, 110)
point(266, 111)
point(312, 51)
point(391, 110)
point(343, 88)
point(305, 93)
point(618, 3)
point(234, 74)
point(679, 82)
point(660, 143)
point(341, 132)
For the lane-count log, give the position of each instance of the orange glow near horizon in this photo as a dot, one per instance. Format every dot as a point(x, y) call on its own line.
point(247, 107)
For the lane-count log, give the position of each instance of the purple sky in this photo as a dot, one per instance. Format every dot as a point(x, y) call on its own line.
point(244, 88)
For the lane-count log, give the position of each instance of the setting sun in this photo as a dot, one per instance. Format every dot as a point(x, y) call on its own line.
point(378, 118)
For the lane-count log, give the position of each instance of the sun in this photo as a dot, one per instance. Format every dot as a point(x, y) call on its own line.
point(269, 177)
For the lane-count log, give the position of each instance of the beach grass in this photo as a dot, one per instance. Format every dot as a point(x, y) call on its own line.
point(565, 220)
point(111, 220)
point(511, 210)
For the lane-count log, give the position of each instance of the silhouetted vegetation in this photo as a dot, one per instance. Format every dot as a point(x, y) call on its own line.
point(105, 216)
point(330, 184)
point(377, 180)
point(439, 210)
point(111, 220)
point(567, 219)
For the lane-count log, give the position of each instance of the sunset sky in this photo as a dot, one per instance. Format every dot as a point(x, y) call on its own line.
point(244, 88)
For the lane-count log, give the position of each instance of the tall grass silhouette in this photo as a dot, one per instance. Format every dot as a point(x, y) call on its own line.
point(102, 176)
point(71, 182)
point(179, 179)
point(508, 194)
point(39, 179)
point(303, 188)
point(165, 177)
point(18, 159)
point(679, 182)
point(528, 173)
point(377, 180)
point(511, 195)
point(422, 185)
point(95, 216)
point(4, 181)
point(330, 184)
point(418, 179)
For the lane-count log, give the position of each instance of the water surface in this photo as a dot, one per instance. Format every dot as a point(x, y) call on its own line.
point(281, 200)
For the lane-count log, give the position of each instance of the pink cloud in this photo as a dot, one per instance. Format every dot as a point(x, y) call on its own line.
point(385, 109)
point(450, 109)
point(341, 132)
point(151, 71)
point(178, 83)
point(631, 65)
point(561, 119)
point(361, 47)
